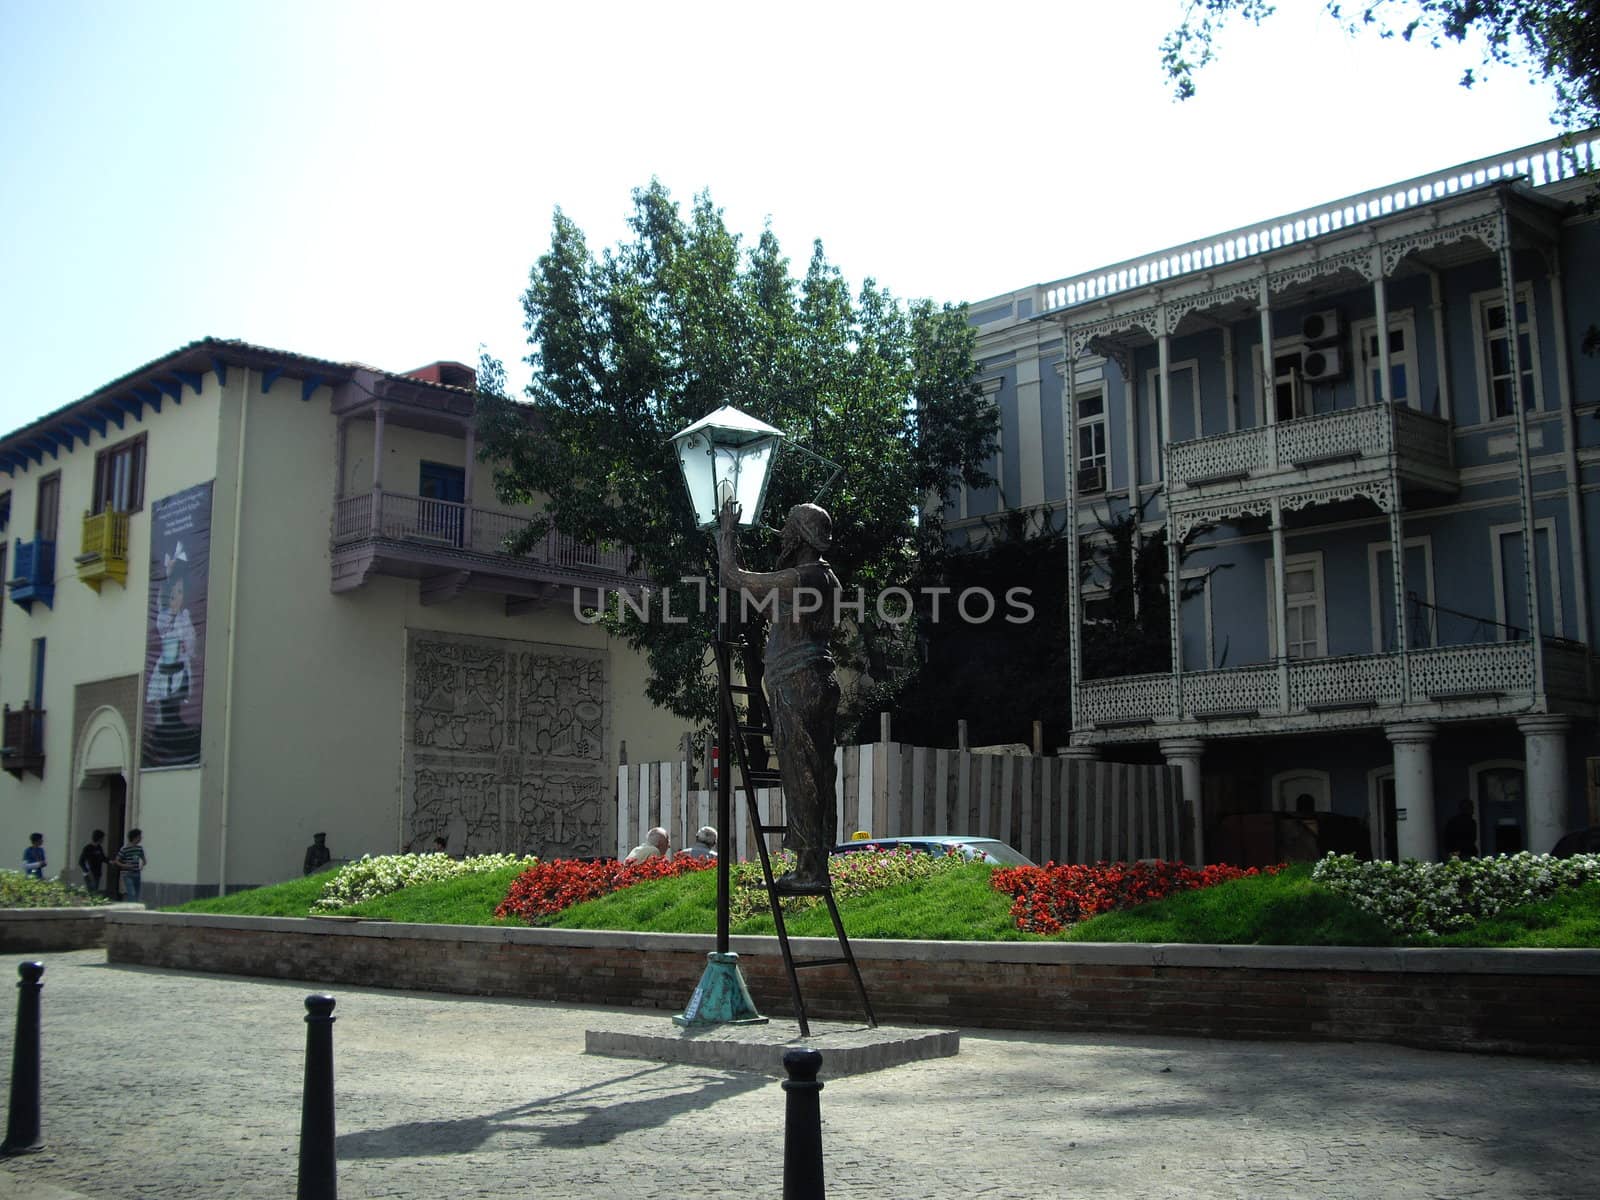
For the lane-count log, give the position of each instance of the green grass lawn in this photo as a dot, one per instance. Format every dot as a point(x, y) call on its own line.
point(1286, 909)
point(957, 906)
point(1282, 910)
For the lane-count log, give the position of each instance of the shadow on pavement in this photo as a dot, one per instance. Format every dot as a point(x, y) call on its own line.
point(579, 1118)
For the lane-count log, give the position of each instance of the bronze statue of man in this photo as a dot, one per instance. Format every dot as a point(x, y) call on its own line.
point(802, 688)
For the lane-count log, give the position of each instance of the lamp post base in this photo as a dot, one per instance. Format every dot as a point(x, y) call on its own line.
point(721, 997)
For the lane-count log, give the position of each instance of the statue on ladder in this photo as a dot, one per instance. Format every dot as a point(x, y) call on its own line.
point(801, 597)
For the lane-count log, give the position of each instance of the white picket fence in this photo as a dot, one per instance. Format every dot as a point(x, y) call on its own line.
point(1063, 810)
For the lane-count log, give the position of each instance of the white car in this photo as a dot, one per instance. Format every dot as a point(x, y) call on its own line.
point(975, 849)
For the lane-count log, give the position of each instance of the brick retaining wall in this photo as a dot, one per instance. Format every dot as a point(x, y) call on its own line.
point(1513, 1001)
point(76, 928)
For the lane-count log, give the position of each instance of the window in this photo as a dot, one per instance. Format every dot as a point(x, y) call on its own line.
point(1402, 338)
point(1494, 352)
point(1304, 607)
point(1288, 397)
point(1098, 608)
point(119, 477)
point(1291, 397)
point(1509, 562)
point(36, 675)
point(1184, 410)
point(1092, 442)
point(48, 510)
point(1421, 620)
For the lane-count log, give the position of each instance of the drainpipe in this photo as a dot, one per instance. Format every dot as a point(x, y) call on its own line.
point(233, 642)
point(1530, 531)
point(1575, 521)
point(1074, 567)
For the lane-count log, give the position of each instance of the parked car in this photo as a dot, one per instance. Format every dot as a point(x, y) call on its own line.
point(976, 849)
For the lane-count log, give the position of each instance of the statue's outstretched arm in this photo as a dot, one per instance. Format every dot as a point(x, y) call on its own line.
point(757, 584)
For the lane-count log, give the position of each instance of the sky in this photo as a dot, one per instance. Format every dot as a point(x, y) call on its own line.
point(372, 181)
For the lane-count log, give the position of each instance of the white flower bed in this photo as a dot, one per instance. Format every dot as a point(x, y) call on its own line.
point(373, 877)
point(1416, 898)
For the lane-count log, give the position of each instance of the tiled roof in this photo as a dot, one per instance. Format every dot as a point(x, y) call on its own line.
point(165, 378)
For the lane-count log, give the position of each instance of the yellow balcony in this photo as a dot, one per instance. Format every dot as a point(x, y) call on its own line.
point(105, 549)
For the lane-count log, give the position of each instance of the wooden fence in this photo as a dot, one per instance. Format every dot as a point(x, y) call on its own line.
point(1063, 810)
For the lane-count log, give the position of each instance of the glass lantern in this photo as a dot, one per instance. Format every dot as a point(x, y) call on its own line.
point(728, 455)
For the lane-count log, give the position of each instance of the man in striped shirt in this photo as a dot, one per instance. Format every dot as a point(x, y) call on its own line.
point(132, 860)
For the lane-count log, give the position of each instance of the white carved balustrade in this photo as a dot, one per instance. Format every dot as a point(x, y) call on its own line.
point(1352, 433)
point(1488, 669)
point(1233, 690)
point(1226, 456)
point(1327, 683)
point(1480, 671)
point(1124, 699)
point(1540, 166)
point(1423, 441)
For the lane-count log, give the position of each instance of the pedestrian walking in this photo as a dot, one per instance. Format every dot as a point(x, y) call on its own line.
point(132, 861)
point(92, 859)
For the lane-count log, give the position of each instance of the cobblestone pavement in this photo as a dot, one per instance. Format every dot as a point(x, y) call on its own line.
point(161, 1084)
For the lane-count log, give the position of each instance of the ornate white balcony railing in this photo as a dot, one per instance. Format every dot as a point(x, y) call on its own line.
point(1325, 683)
point(1539, 165)
point(1438, 674)
point(1358, 435)
point(1237, 689)
point(1491, 669)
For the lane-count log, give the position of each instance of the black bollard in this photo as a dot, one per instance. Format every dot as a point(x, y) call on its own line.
point(319, 1163)
point(802, 1130)
point(22, 1123)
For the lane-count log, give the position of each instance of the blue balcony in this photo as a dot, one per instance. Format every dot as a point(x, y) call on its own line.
point(33, 573)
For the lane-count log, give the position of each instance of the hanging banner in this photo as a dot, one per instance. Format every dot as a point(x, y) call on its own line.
point(175, 637)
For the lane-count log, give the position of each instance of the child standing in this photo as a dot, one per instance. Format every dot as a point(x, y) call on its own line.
point(33, 863)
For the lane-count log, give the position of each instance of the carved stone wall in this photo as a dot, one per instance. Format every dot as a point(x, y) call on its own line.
point(506, 746)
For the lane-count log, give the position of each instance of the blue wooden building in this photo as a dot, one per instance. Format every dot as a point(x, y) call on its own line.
point(1290, 401)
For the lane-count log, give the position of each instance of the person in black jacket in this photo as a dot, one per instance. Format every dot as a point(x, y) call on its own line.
point(92, 860)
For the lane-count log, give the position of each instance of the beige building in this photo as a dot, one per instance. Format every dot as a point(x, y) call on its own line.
point(253, 595)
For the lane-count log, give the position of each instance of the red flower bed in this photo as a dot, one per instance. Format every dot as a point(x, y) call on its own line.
point(548, 887)
point(1049, 898)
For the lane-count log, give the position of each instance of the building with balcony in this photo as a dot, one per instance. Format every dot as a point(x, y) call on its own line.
point(1276, 409)
point(251, 595)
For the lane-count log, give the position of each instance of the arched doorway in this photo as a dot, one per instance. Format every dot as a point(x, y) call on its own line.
point(100, 795)
point(1290, 788)
point(1499, 804)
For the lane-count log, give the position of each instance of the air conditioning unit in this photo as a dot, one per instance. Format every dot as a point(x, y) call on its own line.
point(1326, 362)
point(1091, 479)
point(1321, 326)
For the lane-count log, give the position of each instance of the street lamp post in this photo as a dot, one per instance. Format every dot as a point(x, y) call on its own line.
point(726, 457)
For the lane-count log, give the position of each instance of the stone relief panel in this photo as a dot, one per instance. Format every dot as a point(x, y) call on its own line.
point(506, 746)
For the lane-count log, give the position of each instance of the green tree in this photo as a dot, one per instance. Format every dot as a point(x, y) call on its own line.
point(1558, 40)
point(630, 346)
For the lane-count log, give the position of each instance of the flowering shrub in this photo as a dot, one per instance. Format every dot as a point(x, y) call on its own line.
point(546, 888)
point(1419, 898)
point(852, 874)
point(372, 877)
point(19, 891)
point(1049, 898)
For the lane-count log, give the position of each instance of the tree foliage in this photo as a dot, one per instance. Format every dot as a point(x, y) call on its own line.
point(1554, 40)
point(1001, 673)
point(1131, 633)
point(681, 317)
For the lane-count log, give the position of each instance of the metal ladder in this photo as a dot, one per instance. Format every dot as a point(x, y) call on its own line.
point(750, 780)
